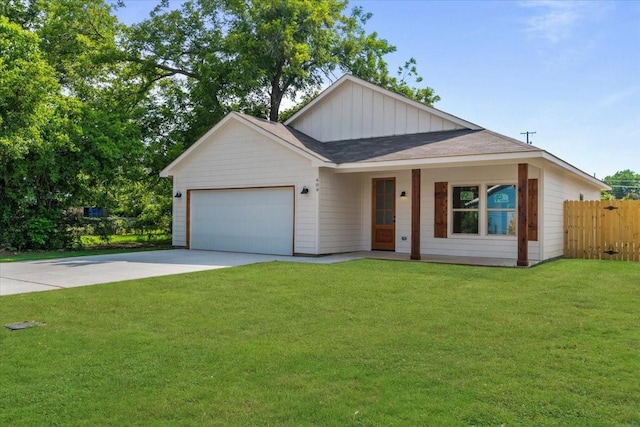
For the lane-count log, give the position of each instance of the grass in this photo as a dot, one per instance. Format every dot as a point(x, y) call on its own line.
point(120, 239)
point(94, 245)
point(362, 343)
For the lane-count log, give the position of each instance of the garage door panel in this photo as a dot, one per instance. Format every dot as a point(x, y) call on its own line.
point(251, 220)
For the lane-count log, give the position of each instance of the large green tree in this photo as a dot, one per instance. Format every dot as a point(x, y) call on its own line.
point(91, 111)
point(250, 54)
point(28, 92)
point(66, 120)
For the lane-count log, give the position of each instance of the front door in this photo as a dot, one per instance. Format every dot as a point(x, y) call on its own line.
point(383, 233)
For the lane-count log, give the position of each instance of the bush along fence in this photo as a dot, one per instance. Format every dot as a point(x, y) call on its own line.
point(603, 229)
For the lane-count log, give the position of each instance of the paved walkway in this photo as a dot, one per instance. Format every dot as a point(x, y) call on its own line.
point(35, 276)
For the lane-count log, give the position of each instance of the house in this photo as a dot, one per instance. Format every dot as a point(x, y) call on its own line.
point(362, 168)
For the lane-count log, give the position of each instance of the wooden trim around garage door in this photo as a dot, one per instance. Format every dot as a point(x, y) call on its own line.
point(188, 225)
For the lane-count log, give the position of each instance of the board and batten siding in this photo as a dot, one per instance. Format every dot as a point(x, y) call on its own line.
point(356, 111)
point(472, 245)
point(340, 212)
point(240, 157)
point(558, 187)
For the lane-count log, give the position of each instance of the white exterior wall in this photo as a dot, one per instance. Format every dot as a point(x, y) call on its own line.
point(356, 112)
point(559, 187)
point(240, 157)
point(340, 212)
point(481, 245)
point(403, 209)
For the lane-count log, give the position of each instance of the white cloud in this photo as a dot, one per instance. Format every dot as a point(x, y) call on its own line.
point(555, 21)
point(620, 96)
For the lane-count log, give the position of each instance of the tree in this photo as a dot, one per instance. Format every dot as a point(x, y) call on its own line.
point(91, 111)
point(65, 132)
point(27, 92)
point(248, 54)
point(625, 184)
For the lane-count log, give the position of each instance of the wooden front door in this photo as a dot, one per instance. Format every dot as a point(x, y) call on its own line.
point(383, 233)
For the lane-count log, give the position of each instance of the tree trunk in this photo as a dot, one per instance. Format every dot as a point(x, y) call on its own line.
point(276, 92)
point(276, 99)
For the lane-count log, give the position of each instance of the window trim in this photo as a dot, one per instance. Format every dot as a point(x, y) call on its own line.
point(483, 232)
point(478, 209)
point(488, 209)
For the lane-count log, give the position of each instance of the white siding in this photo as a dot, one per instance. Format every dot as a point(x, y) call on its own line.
point(355, 111)
point(339, 212)
point(403, 209)
point(239, 157)
point(403, 212)
point(559, 187)
point(478, 245)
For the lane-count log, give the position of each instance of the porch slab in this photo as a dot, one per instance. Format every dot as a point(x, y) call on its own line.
point(443, 259)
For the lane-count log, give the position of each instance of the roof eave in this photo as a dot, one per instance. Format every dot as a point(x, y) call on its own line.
point(537, 157)
point(437, 162)
point(581, 174)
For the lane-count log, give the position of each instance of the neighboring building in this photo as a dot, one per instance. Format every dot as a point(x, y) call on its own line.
point(362, 168)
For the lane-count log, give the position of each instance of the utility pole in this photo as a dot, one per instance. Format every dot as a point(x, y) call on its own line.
point(528, 133)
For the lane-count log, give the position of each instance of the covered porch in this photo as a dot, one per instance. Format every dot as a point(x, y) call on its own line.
point(407, 213)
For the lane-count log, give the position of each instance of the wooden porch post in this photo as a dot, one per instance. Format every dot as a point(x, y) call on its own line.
point(415, 214)
point(523, 221)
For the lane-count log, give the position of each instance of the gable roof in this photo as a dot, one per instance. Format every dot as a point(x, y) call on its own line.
point(417, 146)
point(424, 145)
point(291, 136)
point(408, 150)
point(287, 137)
point(397, 147)
point(338, 84)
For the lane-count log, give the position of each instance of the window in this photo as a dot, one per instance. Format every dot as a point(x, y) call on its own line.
point(466, 208)
point(501, 210)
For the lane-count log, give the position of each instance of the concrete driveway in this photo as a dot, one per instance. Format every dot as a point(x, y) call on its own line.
point(36, 276)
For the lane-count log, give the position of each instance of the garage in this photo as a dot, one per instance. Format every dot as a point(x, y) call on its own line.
point(252, 220)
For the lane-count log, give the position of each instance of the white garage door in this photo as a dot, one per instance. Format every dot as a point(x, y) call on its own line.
point(253, 220)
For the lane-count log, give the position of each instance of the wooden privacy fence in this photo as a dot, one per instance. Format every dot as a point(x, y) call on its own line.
point(603, 229)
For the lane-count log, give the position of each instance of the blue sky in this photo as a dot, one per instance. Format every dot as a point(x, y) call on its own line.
point(569, 71)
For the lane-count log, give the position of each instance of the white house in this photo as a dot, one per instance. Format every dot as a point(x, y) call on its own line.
point(362, 168)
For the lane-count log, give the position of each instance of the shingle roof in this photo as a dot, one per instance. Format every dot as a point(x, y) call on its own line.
point(398, 147)
point(292, 136)
point(425, 145)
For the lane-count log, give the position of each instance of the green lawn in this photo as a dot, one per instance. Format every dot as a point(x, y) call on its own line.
point(373, 343)
point(94, 245)
point(120, 239)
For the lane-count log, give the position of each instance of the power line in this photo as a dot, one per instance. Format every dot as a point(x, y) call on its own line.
point(528, 133)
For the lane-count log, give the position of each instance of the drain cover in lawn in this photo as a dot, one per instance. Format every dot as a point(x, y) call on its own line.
point(23, 325)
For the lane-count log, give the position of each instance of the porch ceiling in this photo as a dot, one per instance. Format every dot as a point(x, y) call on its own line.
point(534, 158)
